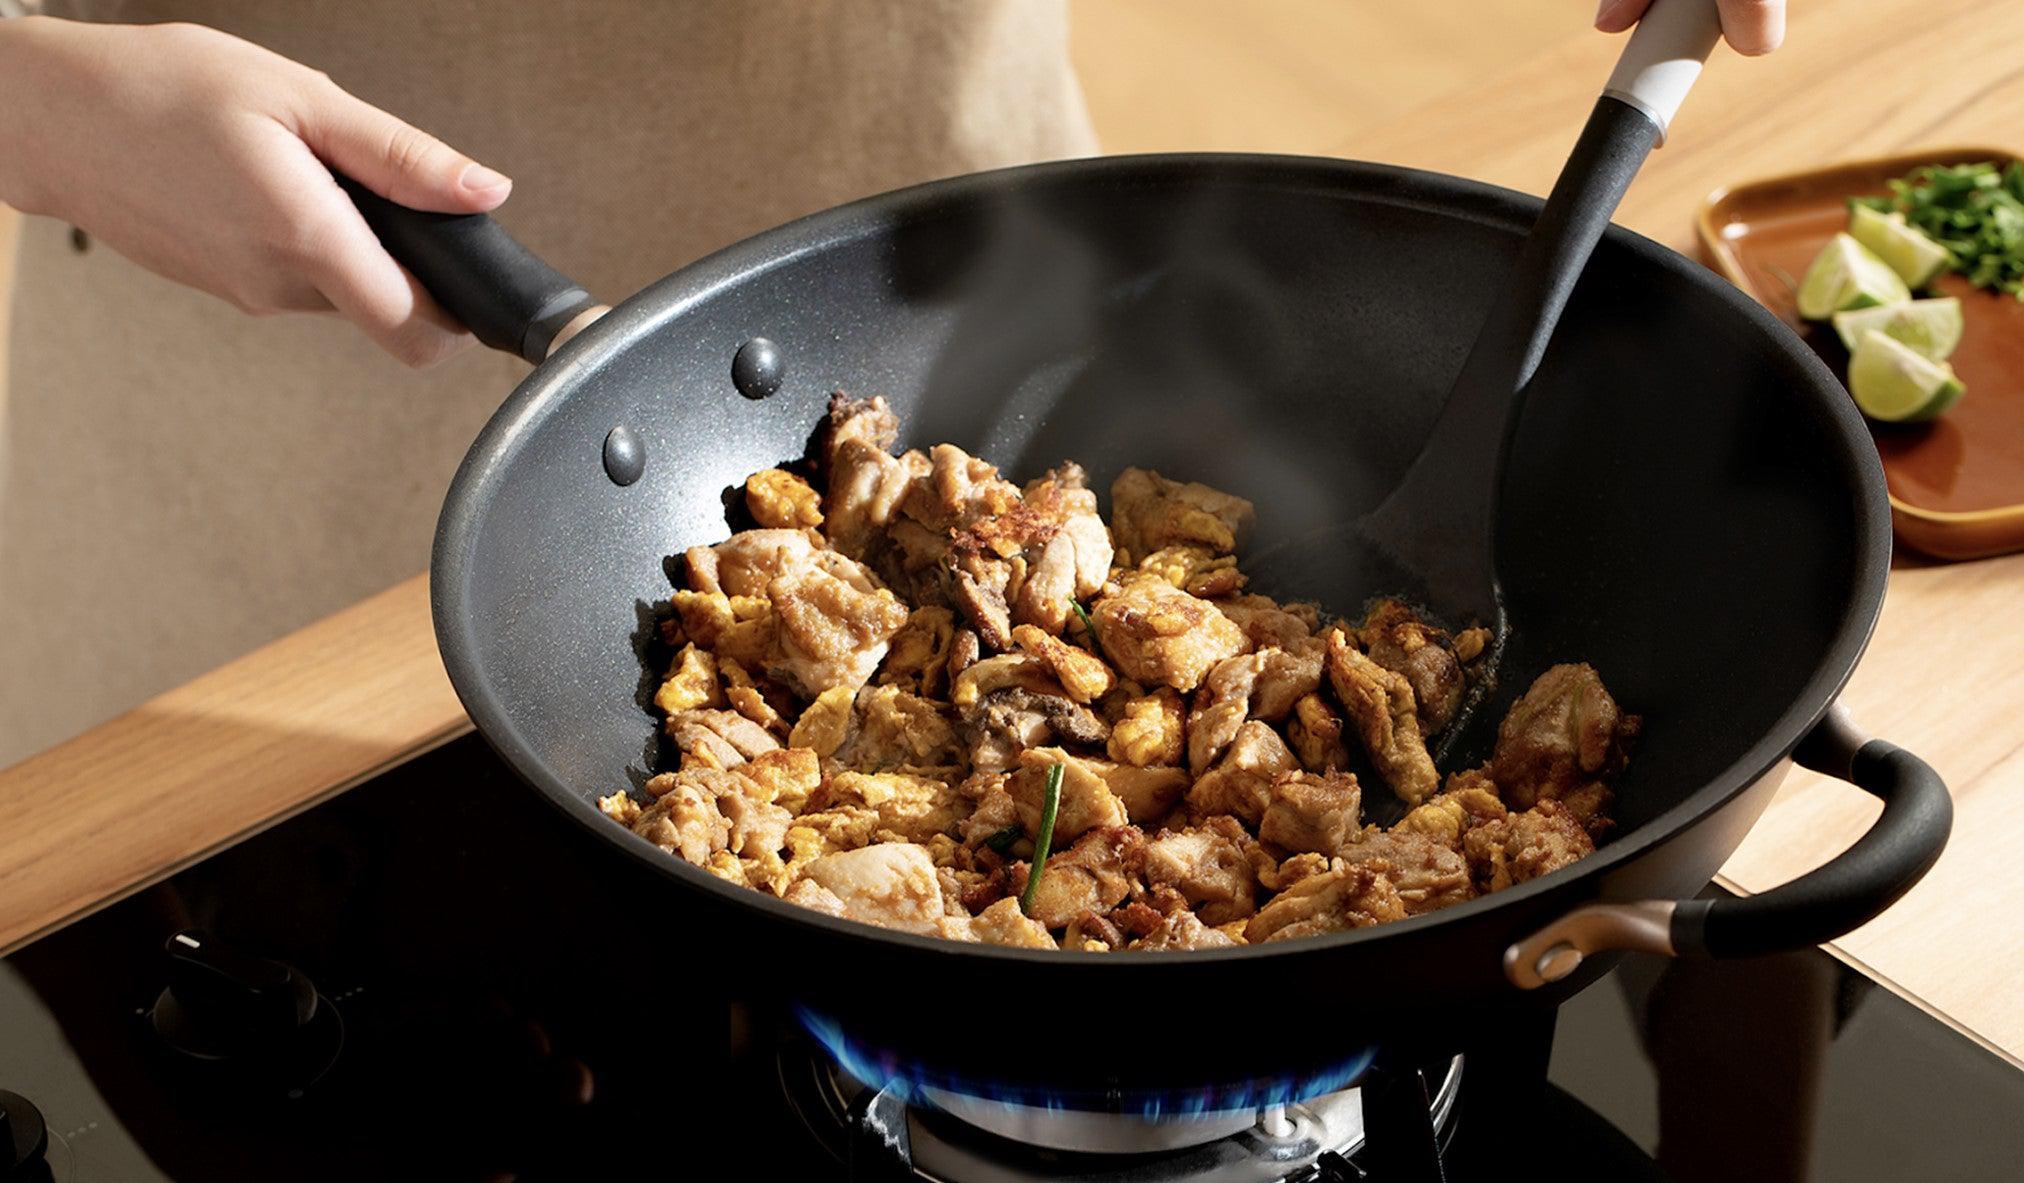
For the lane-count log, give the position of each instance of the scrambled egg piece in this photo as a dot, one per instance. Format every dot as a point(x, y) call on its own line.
point(691, 682)
point(778, 498)
point(1149, 731)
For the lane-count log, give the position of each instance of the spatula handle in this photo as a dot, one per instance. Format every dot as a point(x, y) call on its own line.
point(1664, 57)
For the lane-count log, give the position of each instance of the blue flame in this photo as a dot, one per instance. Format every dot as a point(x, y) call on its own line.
point(906, 1078)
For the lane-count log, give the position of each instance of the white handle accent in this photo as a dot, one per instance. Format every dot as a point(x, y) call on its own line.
point(1664, 57)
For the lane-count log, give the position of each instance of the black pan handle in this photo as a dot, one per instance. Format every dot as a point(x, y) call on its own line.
point(503, 292)
point(1849, 891)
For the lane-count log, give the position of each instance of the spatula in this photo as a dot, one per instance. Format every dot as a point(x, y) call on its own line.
point(1432, 539)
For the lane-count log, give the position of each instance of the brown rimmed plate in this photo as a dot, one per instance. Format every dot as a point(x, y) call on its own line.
point(1956, 484)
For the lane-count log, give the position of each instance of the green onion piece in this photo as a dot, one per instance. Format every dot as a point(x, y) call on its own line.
point(1048, 804)
point(1088, 626)
point(1002, 840)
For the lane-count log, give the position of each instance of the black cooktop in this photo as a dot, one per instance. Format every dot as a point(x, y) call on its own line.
point(486, 1001)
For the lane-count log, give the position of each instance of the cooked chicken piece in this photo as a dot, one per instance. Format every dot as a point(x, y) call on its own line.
point(1380, 705)
point(1080, 523)
point(959, 490)
point(897, 729)
point(1468, 801)
point(1293, 870)
point(1269, 624)
point(758, 829)
point(743, 564)
point(1315, 734)
point(1563, 735)
point(866, 486)
point(1159, 636)
point(918, 656)
point(1427, 873)
point(745, 696)
point(1321, 813)
point(994, 815)
point(683, 819)
point(1242, 784)
point(1150, 512)
point(910, 808)
point(1148, 794)
point(691, 682)
point(1208, 867)
point(1470, 643)
point(1147, 728)
point(1091, 933)
point(1220, 708)
point(866, 420)
point(1081, 674)
point(779, 499)
point(1086, 800)
point(717, 739)
point(1287, 676)
point(1183, 930)
point(1590, 806)
point(1524, 846)
point(1346, 897)
point(1065, 546)
point(1096, 874)
point(814, 896)
point(1397, 639)
point(892, 885)
point(1000, 924)
point(831, 632)
point(1196, 570)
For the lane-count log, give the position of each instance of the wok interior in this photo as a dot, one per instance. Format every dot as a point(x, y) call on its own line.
point(1679, 509)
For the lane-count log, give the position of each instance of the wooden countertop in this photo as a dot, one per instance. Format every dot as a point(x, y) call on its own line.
point(322, 709)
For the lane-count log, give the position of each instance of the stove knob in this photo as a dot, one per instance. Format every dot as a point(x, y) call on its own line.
point(222, 1004)
point(24, 1139)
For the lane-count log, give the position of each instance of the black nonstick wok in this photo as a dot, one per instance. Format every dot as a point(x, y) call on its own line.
point(1691, 504)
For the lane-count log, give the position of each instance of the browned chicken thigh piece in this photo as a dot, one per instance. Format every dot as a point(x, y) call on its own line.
point(1385, 716)
point(1564, 735)
point(1148, 512)
point(1309, 812)
point(1158, 635)
point(1428, 874)
point(1099, 872)
point(1523, 846)
point(1208, 867)
point(1345, 897)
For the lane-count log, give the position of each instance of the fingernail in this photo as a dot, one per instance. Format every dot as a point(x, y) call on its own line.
point(480, 179)
point(1605, 8)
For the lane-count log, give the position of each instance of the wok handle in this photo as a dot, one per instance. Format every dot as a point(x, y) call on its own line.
point(503, 292)
point(1830, 901)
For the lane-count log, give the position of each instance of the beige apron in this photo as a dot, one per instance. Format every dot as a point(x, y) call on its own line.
point(179, 483)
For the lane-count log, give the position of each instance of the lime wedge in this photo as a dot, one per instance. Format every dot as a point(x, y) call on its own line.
point(1893, 383)
point(1916, 258)
point(1933, 327)
point(1846, 275)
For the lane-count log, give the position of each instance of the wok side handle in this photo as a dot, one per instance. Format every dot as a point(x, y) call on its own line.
point(1847, 892)
point(503, 292)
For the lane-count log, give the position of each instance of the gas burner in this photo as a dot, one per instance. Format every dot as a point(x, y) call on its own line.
point(894, 1133)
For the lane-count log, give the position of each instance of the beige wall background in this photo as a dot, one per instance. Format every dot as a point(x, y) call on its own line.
point(1302, 76)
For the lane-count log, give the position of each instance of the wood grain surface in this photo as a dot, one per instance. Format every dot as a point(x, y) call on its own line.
point(1497, 95)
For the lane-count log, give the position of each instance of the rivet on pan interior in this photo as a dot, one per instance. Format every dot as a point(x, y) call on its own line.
point(625, 457)
point(757, 369)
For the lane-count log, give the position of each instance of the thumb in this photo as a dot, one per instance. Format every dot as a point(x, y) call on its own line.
point(396, 160)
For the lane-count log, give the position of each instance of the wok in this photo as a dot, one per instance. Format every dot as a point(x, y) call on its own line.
point(1691, 504)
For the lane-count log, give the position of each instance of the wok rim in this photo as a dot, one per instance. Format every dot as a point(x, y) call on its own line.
point(549, 385)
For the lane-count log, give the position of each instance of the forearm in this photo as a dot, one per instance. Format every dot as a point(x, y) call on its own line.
point(26, 86)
